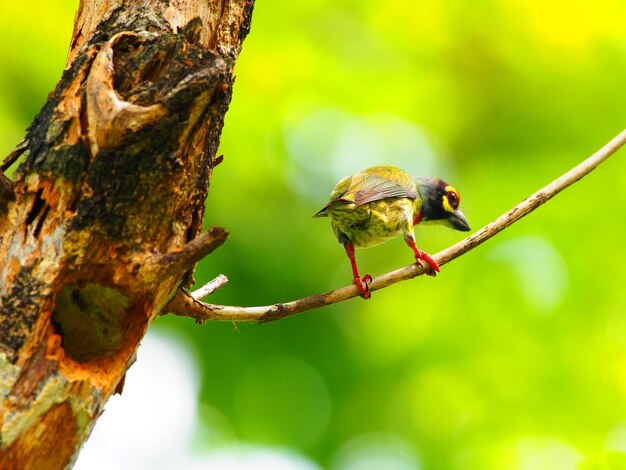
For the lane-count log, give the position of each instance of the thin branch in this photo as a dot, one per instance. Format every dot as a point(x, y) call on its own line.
point(210, 287)
point(203, 311)
point(184, 305)
point(192, 252)
point(14, 155)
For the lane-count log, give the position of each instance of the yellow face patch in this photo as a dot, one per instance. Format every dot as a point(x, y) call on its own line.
point(445, 202)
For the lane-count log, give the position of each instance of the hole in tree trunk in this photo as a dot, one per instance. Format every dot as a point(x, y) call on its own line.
point(38, 213)
point(91, 320)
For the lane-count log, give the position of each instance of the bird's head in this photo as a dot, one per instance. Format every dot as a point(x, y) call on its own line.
point(440, 203)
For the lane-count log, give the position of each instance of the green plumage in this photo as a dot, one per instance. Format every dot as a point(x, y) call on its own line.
point(382, 202)
point(373, 206)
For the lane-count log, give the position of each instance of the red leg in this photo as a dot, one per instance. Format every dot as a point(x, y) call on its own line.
point(421, 255)
point(361, 282)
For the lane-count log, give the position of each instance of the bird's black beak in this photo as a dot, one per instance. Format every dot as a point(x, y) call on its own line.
point(458, 221)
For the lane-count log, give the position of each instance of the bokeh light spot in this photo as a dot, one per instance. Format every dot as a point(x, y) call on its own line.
point(376, 452)
point(328, 144)
point(545, 453)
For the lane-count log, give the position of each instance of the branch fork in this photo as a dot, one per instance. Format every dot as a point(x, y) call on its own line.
point(184, 258)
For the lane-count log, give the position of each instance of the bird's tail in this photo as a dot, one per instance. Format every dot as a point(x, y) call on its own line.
point(322, 213)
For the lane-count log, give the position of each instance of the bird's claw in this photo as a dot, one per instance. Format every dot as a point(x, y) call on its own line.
point(423, 256)
point(363, 284)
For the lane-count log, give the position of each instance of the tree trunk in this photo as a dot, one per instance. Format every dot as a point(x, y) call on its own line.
point(100, 227)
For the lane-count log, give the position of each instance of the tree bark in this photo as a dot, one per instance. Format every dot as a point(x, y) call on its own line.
point(101, 225)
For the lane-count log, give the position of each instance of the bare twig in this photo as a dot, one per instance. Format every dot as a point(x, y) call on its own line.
point(217, 160)
point(210, 287)
point(203, 311)
point(14, 155)
point(179, 261)
point(184, 305)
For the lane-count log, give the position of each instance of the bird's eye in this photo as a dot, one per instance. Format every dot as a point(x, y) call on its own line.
point(453, 198)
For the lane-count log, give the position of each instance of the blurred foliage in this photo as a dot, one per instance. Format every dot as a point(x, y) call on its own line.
point(515, 356)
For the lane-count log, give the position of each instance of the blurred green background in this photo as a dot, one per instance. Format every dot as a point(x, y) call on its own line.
point(515, 356)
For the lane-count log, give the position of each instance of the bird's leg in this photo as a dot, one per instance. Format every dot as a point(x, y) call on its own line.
point(420, 255)
point(361, 282)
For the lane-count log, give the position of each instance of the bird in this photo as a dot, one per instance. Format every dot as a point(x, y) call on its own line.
point(381, 202)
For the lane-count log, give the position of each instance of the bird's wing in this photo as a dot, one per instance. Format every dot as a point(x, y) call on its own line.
point(372, 184)
point(367, 187)
point(341, 188)
point(335, 197)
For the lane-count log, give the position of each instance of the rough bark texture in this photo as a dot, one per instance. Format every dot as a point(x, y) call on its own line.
point(100, 226)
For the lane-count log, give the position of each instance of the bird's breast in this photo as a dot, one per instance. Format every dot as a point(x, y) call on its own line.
point(373, 223)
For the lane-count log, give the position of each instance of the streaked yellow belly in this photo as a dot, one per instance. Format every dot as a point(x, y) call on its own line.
point(373, 223)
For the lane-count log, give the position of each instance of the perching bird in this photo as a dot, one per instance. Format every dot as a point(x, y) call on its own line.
point(382, 202)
